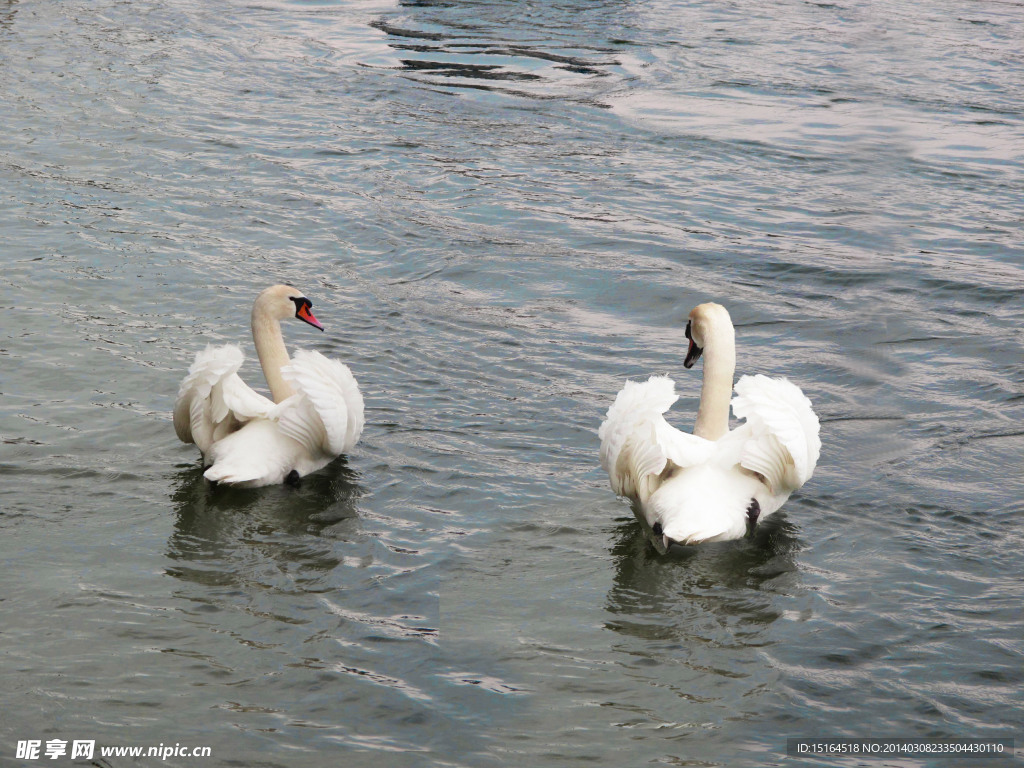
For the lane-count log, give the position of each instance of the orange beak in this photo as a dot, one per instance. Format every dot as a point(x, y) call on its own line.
point(303, 313)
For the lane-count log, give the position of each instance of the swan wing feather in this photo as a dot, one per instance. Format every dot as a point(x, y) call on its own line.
point(781, 431)
point(326, 413)
point(637, 443)
point(213, 400)
point(243, 401)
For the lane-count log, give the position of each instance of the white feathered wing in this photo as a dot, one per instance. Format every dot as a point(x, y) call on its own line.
point(213, 401)
point(326, 414)
point(779, 440)
point(638, 447)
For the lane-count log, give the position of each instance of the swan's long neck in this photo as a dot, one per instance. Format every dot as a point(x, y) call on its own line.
point(716, 389)
point(266, 333)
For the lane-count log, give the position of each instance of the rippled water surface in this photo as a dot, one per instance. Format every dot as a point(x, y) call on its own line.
point(501, 211)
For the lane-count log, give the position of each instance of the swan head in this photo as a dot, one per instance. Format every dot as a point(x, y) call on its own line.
point(706, 321)
point(282, 302)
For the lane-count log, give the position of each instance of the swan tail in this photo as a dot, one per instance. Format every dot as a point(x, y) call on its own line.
point(239, 476)
point(782, 442)
point(257, 454)
point(706, 503)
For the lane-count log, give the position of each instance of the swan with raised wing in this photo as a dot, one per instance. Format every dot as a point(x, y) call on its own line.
point(249, 440)
point(714, 484)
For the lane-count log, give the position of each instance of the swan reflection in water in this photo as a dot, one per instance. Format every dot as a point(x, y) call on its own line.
point(721, 584)
point(695, 630)
point(224, 534)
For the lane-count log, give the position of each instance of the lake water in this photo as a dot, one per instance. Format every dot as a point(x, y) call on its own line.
point(501, 211)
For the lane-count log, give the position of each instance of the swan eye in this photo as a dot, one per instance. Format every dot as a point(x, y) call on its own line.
point(688, 330)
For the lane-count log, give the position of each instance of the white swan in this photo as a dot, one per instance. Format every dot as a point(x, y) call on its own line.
point(249, 440)
point(715, 484)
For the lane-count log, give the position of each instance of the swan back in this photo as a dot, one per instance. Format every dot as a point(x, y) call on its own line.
point(323, 419)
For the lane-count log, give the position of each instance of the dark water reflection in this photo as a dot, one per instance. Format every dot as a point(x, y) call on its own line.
point(7, 10)
point(677, 617)
point(315, 506)
point(292, 573)
point(508, 47)
point(293, 527)
point(660, 582)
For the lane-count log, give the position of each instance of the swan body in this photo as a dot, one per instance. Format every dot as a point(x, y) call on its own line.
point(714, 484)
point(250, 440)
